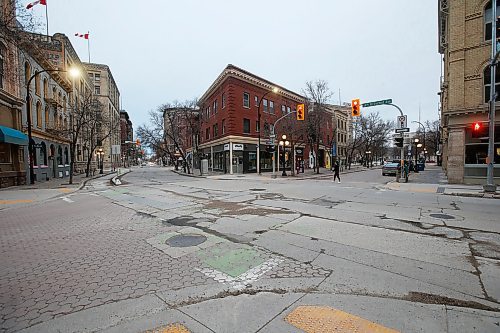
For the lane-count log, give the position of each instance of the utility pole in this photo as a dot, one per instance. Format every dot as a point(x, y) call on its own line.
point(490, 181)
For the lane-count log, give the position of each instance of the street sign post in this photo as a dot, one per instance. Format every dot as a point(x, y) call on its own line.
point(401, 121)
point(382, 102)
point(402, 130)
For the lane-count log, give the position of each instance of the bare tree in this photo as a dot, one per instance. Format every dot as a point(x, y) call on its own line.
point(318, 94)
point(432, 136)
point(374, 133)
point(152, 135)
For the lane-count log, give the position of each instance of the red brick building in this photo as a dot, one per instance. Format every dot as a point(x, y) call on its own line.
point(230, 127)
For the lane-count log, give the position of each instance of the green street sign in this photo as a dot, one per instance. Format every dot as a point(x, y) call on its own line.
point(385, 101)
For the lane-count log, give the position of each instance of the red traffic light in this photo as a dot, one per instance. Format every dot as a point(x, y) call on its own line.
point(300, 112)
point(355, 108)
point(477, 126)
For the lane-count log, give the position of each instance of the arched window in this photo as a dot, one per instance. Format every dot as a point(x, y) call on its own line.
point(47, 118)
point(59, 156)
point(38, 114)
point(54, 93)
point(59, 99)
point(64, 104)
point(43, 151)
point(65, 124)
point(45, 87)
point(488, 13)
point(37, 84)
point(487, 83)
point(60, 122)
point(3, 57)
point(27, 72)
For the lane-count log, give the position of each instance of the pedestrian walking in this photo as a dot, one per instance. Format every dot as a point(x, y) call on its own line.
point(336, 174)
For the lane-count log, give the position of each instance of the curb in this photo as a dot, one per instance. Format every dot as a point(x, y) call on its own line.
point(474, 195)
point(118, 178)
point(187, 174)
point(92, 178)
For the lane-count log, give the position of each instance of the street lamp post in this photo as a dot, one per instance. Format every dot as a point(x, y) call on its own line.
point(420, 124)
point(416, 154)
point(74, 73)
point(274, 90)
point(284, 142)
point(368, 154)
point(100, 154)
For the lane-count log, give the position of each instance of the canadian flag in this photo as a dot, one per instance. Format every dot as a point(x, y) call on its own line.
point(86, 36)
point(39, 2)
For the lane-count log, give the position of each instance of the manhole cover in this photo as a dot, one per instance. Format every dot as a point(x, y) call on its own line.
point(442, 216)
point(257, 189)
point(185, 240)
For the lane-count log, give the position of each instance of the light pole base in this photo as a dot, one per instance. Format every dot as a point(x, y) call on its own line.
point(490, 188)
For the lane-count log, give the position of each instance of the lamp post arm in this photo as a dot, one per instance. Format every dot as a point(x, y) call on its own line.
point(276, 122)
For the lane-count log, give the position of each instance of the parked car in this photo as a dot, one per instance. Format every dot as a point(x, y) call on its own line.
point(390, 168)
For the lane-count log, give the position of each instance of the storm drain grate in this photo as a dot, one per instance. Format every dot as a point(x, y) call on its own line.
point(442, 216)
point(186, 240)
point(257, 189)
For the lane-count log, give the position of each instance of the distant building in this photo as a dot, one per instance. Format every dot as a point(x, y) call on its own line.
point(126, 139)
point(107, 92)
point(230, 127)
point(341, 134)
point(465, 43)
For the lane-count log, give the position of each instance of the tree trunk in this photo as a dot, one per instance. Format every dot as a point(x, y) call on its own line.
point(72, 162)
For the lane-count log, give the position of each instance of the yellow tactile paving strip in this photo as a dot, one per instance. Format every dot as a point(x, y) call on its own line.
point(11, 202)
point(319, 319)
point(172, 328)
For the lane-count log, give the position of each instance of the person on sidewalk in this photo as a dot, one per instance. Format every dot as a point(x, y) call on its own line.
point(336, 174)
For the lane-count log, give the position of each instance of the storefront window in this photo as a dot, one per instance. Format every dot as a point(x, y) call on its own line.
point(5, 153)
point(476, 146)
point(252, 161)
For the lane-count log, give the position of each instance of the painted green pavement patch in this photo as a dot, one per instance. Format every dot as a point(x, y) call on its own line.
point(231, 261)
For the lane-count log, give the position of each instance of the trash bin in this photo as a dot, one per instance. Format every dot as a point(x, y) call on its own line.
point(420, 166)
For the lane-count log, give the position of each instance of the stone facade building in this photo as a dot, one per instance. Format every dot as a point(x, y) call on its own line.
point(465, 43)
point(106, 90)
point(13, 142)
point(342, 133)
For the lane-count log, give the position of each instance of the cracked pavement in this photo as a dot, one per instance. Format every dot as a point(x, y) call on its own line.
point(101, 261)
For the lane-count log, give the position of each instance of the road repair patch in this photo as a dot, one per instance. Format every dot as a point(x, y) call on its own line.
point(172, 328)
point(12, 202)
point(318, 319)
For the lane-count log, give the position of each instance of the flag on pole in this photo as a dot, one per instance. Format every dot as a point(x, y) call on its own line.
point(39, 2)
point(86, 36)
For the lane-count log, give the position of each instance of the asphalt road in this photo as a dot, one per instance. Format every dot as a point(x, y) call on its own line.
point(248, 254)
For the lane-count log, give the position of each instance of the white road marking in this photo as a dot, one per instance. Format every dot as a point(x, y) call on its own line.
point(244, 279)
point(67, 199)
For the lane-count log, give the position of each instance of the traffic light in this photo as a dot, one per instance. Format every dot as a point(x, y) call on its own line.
point(300, 112)
point(137, 142)
point(399, 141)
point(270, 149)
point(479, 130)
point(355, 107)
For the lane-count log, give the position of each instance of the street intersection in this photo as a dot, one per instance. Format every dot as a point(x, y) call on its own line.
point(247, 253)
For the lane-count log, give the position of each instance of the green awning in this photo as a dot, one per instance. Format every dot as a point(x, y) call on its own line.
point(10, 135)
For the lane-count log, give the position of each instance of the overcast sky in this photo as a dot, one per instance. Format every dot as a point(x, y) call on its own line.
point(165, 50)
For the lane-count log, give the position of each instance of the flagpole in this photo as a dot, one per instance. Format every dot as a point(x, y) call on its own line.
point(47, 18)
point(88, 43)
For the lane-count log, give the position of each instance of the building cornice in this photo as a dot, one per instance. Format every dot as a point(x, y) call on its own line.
point(10, 100)
point(240, 74)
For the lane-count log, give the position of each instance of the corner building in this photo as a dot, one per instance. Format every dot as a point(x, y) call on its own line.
point(465, 43)
point(230, 124)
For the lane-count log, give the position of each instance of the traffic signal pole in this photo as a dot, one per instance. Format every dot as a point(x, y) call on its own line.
point(490, 181)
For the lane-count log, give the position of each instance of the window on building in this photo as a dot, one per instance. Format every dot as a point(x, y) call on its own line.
point(246, 126)
point(283, 109)
point(223, 126)
point(488, 13)
point(288, 110)
point(47, 116)
point(207, 133)
point(97, 77)
point(207, 113)
point(97, 90)
point(3, 55)
point(5, 156)
point(215, 107)
point(257, 126)
point(246, 100)
point(37, 84)
point(271, 107)
point(216, 130)
point(45, 87)
point(487, 84)
point(223, 100)
point(38, 114)
point(256, 99)
point(27, 72)
point(264, 103)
